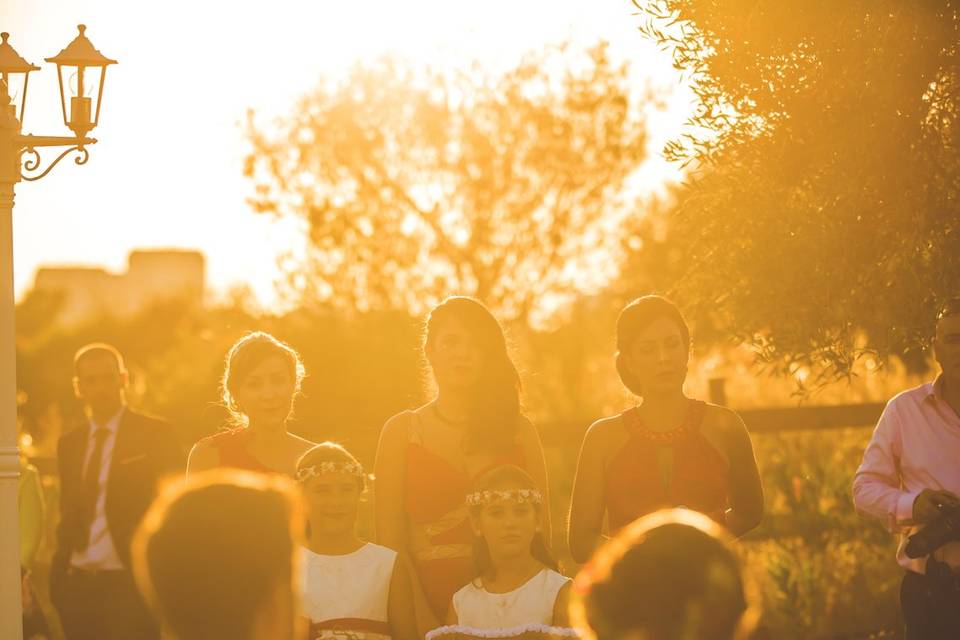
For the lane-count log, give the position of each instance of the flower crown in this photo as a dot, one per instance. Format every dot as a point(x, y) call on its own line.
point(522, 496)
point(321, 468)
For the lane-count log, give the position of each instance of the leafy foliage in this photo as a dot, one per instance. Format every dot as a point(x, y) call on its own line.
point(415, 183)
point(822, 571)
point(821, 220)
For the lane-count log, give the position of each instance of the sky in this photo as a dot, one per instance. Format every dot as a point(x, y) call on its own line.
point(166, 172)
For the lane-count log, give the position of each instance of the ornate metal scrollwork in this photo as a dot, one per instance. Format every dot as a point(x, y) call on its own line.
point(32, 163)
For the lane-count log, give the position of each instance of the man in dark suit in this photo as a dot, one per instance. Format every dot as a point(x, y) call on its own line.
point(109, 470)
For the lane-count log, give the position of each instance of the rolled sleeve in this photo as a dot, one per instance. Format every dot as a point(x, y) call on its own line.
point(877, 488)
point(904, 512)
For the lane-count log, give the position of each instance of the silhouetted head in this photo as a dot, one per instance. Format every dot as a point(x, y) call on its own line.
point(100, 379)
point(467, 352)
point(261, 379)
point(653, 346)
point(215, 556)
point(946, 343)
point(671, 575)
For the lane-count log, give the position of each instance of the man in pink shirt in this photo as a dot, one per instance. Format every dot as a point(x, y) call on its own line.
point(910, 477)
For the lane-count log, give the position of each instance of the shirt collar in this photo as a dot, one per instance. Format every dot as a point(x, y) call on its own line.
point(935, 390)
point(111, 425)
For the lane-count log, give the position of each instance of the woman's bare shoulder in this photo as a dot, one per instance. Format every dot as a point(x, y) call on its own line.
point(722, 418)
point(300, 443)
point(725, 428)
point(204, 446)
point(397, 428)
point(399, 423)
point(203, 455)
point(604, 428)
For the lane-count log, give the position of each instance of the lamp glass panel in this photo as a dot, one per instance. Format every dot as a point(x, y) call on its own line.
point(82, 86)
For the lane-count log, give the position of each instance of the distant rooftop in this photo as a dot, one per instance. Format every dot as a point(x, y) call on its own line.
point(151, 276)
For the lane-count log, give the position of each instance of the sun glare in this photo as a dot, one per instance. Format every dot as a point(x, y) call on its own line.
point(168, 169)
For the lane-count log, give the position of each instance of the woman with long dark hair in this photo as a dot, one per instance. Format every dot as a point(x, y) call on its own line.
point(669, 450)
point(428, 458)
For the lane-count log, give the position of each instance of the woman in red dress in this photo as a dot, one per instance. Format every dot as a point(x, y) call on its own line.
point(667, 451)
point(427, 458)
point(260, 381)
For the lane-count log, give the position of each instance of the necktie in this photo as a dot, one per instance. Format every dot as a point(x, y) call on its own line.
point(91, 486)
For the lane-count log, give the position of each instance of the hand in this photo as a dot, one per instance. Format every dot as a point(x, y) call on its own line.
point(925, 506)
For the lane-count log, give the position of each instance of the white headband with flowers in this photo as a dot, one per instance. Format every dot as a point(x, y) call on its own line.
point(321, 468)
point(521, 496)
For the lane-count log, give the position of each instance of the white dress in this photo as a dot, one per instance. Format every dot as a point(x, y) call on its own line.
point(347, 596)
point(529, 604)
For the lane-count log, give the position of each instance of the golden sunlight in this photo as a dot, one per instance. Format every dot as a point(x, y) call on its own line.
point(187, 75)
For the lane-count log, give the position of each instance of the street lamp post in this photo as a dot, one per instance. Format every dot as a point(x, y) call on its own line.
point(21, 160)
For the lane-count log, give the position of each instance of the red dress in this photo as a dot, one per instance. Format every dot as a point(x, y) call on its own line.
point(440, 537)
point(232, 447)
point(699, 478)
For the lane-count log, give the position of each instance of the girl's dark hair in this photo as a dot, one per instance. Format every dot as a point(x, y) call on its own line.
point(670, 575)
point(635, 317)
point(507, 477)
point(330, 452)
point(495, 404)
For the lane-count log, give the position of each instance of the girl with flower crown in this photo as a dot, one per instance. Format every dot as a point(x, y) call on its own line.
point(516, 589)
point(351, 588)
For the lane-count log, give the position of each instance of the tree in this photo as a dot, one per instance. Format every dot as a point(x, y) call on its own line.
point(821, 219)
point(415, 183)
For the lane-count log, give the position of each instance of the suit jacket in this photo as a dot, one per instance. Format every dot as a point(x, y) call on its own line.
point(145, 451)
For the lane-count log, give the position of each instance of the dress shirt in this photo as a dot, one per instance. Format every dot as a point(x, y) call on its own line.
point(100, 554)
point(915, 446)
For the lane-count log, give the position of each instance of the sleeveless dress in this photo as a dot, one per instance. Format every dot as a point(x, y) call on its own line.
point(232, 447)
point(439, 533)
point(700, 478)
point(531, 603)
point(347, 596)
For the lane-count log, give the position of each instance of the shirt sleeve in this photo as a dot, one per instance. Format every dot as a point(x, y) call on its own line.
point(877, 489)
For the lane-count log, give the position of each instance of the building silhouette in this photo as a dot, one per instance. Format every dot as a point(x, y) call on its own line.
point(152, 276)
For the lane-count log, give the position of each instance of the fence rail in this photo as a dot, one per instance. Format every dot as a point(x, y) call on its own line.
point(758, 421)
